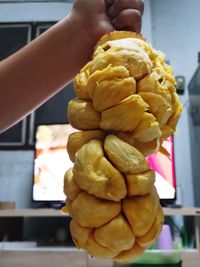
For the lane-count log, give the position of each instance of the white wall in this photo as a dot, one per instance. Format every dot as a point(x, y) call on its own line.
point(176, 31)
point(30, 12)
point(147, 21)
point(16, 172)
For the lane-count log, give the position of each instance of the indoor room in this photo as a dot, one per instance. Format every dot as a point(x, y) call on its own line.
point(100, 136)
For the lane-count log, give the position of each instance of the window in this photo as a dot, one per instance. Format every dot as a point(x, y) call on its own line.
point(12, 38)
point(54, 111)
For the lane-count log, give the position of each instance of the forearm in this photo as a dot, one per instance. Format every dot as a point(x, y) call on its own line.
point(39, 70)
point(26, 82)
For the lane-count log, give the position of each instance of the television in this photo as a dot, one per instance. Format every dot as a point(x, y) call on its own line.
point(164, 167)
point(51, 162)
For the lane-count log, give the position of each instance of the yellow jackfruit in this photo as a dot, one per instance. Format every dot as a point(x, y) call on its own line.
point(147, 130)
point(77, 139)
point(140, 184)
point(95, 249)
point(110, 92)
point(103, 185)
point(80, 82)
point(116, 235)
point(150, 237)
point(82, 115)
point(139, 63)
point(130, 254)
point(126, 106)
point(101, 75)
point(96, 175)
point(145, 211)
point(146, 148)
point(158, 106)
point(90, 211)
point(125, 157)
point(122, 58)
point(71, 189)
point(128, 112)
point(80, 234)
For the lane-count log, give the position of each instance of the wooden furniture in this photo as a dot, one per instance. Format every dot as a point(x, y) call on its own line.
point(57, 213)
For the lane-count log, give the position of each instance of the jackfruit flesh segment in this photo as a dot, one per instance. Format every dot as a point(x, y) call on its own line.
point(166, 131)
point(125, 157)
point(77, 139)
point(117, 35)
point(109, 73)
point(177, 107)
point(165, 71)
point(125, 116)
point(68, 206)
point(71, 189)
point(110, 92)
point(150, 237)
point(148, 129)
point(96, 175)
point(90, 211)
point(80, 82)
point(148, 148)
point(96, 250)
point(158, 107)
point(153, 83)
point(137, 62)
point(116, 235)
point(130, 255)
point(132, 44)
point(79, 233)
point(128, 104)
point(82, 115)
point(145, 148)
point(140, 184)
point(145, 211)
point(128, 51)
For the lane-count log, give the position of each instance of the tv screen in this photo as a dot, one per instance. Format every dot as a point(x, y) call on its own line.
point(51, 162)
point(164, 168)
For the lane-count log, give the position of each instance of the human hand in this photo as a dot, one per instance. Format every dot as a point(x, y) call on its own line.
point(98, 17)
point(125, 14)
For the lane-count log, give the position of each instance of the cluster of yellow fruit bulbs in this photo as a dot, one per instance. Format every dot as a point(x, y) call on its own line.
point(126, 105)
